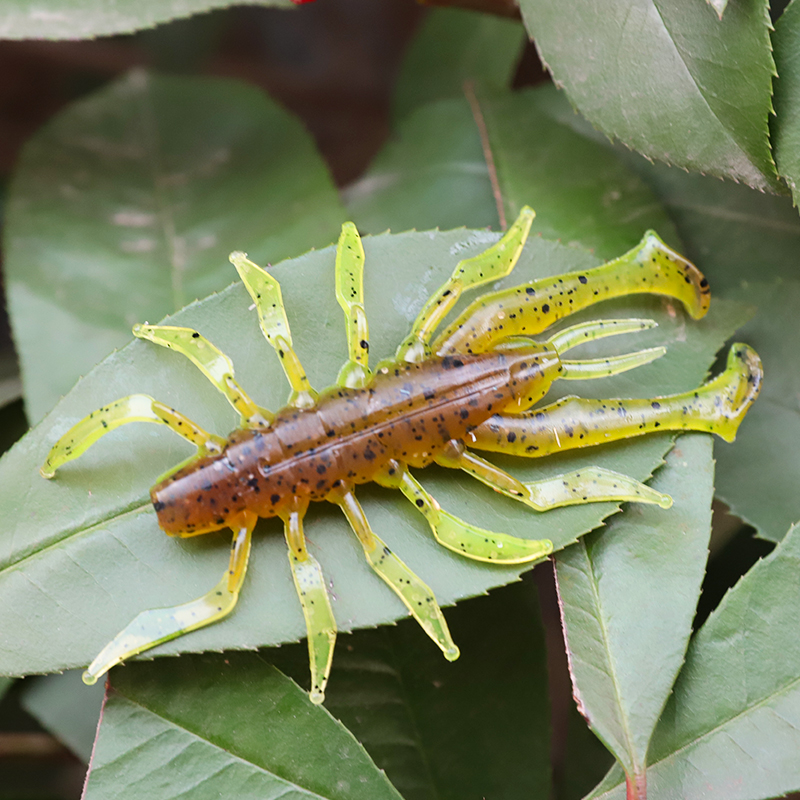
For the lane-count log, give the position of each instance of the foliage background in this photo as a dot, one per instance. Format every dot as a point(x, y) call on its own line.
point(422, 120)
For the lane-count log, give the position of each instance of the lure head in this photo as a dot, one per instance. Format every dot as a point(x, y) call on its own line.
point(210, 492)
point(194, 499)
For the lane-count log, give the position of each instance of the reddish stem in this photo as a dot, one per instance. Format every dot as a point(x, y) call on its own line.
point(636, 788)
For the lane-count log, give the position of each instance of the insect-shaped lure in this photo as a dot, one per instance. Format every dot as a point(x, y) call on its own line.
point(471, 387)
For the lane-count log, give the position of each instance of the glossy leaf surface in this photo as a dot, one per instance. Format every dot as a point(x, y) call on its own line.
point(643, 565)
point(83, 553)
point(582, 193)
point(83, 19)
point(666, 78)
point(731, 730)
point(124, 208)
point(224, 726)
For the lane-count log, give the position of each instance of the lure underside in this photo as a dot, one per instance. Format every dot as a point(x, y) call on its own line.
point(474, 386)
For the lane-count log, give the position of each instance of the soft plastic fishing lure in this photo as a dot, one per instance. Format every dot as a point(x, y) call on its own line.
point(472, 387)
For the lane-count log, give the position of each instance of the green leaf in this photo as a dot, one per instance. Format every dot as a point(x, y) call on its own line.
point(786, 125)
point(582, 193)
point(125, 207)
point(84, 19)
point(232, 726)
point(732, 232)
point(628, 596)
point(422, 179)
point(476, 727)
point(731, 730)
point(757, 477)
point(665, 77)
point(83, 554)
point(454, 46)
point(67, 708)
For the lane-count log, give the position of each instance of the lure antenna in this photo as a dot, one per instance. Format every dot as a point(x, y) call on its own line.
point(585, 369)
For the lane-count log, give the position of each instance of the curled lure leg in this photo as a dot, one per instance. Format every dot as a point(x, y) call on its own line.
point(590, 485)
point(491, 265)
point(213, 363)
point(718, 406)
point(134, 408)
point(349, 274)
point(650, 268)
point(159, 625)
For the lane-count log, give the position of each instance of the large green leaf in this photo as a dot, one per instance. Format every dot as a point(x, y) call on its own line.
point(628, 596)
point(731, 730)
point(666, 78)
point(213, 726)
point(786, 126)
point(454, 46)
point(476, 727)
point(84, 19)
point(582, 193)
point(125, 207)
point(83, 554)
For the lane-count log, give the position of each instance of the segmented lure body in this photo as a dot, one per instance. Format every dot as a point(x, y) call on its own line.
point(408, 413)
point(472, 388)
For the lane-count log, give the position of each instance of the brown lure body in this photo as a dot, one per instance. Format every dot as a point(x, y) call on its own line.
point(408, 413)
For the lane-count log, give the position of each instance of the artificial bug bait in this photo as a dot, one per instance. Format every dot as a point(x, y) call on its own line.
point(471, 387)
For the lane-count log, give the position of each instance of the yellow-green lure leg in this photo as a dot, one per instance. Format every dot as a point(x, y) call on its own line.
point(463, 538)
point(134, 408)
point(266, 294)
point(151, 628)
point(415, 594)
point(310, 584)
point(583, 369)
point(350, 295)
point(491, 265)
point(212, 362)
point(596, 329)
point(718, 406)
point(650, 268)
point(589, 368)
point(591, 485)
